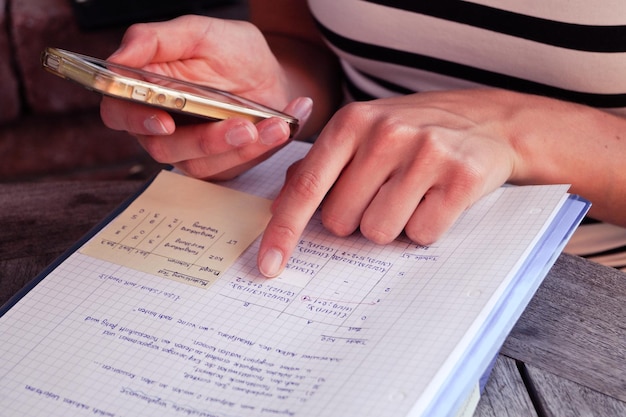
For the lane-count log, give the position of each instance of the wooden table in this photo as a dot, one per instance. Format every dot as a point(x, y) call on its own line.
point(565, 357)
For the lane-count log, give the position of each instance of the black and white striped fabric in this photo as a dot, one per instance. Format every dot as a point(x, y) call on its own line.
point(572, 50)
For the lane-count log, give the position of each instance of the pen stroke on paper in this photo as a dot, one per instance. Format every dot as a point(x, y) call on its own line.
point(188, 231)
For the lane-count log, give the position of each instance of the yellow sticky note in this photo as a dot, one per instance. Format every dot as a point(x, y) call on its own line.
point(183, 229)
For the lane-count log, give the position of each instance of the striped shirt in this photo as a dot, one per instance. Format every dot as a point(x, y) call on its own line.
point(572, 50)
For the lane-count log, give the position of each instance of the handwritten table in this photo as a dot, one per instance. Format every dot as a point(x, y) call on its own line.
point(565, 357)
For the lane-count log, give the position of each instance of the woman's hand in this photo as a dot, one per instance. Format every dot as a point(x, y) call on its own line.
point(414, 163)
point(228, 55)
point(411, 163)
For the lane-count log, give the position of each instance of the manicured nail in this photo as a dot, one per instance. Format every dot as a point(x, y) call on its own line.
point(240, 135)
point(274, 132)
point(155, 126)
point(271, 262)
point(303, 108)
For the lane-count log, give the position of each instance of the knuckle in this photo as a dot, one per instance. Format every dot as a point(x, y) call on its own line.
point(468, 182)
point(336, 224)
point(446, 155)
point(282, 231)
point(306, 185)
point(377, 235)
point(465, 183)
point(137, 28)
point(353, 115)
point(422, 234)
point(424, 230)
point(435, 214)
point(205, 142)
point(392, 127)
point(156, 147)
point(248, 153)
point(355, 109)
point(432, 143)
point(194, 168)
point(137, 31)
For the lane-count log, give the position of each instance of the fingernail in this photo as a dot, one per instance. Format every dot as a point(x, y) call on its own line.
point(274, 132)
point(271, 262)
point(303, 108)
point(240, 135)
point(155, 126)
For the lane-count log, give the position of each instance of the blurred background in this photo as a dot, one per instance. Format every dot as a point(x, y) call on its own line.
point(50, 128)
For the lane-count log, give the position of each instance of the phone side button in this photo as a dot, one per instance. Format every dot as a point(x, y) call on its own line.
point(179, 102)
point(141, 93)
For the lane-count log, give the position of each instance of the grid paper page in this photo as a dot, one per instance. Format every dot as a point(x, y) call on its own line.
point(351, 329)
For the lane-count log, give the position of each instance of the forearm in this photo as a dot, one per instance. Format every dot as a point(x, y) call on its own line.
point(561, 142)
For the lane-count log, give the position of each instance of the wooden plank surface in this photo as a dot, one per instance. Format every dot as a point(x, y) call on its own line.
point(575, 326)
point(505, 394)
point(557, 397)
point(39, 221)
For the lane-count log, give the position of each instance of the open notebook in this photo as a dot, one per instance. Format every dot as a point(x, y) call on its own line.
point(350, 329)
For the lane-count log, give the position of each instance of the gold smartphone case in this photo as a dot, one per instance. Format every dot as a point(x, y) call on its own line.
point(156, 90)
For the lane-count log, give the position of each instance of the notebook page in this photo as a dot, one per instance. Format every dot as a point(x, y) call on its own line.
point(351, 329)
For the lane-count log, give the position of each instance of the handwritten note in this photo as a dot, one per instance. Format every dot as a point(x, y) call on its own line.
point(186, 230)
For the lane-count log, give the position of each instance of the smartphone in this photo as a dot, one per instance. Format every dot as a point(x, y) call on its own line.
point(145, 87)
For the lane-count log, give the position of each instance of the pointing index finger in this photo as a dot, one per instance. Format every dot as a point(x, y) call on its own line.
point(301, 195)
